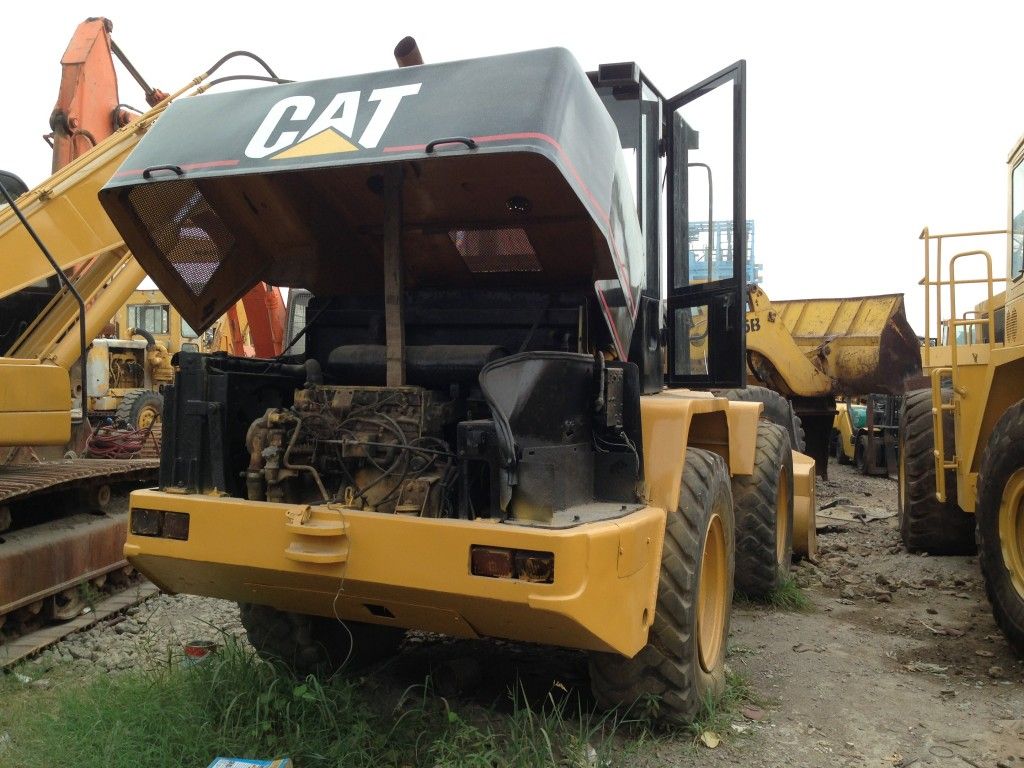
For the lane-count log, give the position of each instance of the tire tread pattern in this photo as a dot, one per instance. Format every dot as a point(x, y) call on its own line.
point(132, 402)
point(777, 409)
point(1003, 456)
point(758, 569)
point(926, 524)
point(668, 666)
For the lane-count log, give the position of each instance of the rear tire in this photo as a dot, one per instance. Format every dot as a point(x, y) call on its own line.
point(1000, 531)
point(683, 663)
point(140, 408)
point(926, 524)
point(764, 515)
point(841, 456)
point(860, 455)
point(315, 645)
point(777, 410)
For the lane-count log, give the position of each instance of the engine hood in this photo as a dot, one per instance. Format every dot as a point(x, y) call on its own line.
point(283, 184)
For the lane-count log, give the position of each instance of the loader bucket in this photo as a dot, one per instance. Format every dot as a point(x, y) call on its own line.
point(851, 346)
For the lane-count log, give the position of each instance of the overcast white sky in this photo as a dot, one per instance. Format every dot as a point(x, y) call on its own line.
point(866, 121)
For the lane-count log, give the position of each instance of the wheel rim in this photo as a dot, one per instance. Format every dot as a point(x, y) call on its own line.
point(1011, 529)
point(782, 518)
point(147, 415)
point(711, 596)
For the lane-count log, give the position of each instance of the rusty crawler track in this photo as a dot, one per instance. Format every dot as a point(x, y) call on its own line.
point(64, 531)
point(33, 642)
point(23, 481)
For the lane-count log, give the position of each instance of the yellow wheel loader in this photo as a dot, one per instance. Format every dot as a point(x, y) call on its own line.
point(962, 438)
point(479, 437)
point(866, 433)
point(812, 351)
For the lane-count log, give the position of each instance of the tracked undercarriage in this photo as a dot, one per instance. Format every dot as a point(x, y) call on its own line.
point(62, 525)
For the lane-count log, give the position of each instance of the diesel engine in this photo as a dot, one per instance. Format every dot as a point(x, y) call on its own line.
point(373, 447)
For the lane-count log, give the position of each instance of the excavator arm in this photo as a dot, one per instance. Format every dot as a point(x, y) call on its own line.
point(88, 109)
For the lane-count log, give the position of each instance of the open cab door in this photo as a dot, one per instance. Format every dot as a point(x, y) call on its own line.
point(707, 261)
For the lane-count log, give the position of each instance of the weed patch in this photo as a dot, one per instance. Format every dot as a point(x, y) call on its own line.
point(235, 704)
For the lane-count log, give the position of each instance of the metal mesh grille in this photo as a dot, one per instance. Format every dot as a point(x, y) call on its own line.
point(185, 229)
point(495, 250)
point(1011, 326)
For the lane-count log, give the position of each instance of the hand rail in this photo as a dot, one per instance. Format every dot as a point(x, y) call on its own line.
point(939, 451)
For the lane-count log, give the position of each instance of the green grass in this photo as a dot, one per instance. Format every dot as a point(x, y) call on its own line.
point(236, 705)
point(789, 596)
point(718, 715)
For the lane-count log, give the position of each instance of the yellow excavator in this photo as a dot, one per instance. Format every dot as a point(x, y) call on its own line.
point(66, 275)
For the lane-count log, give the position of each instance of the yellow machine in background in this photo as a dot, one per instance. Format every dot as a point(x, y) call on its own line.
point(67, 274)
point(813, 350)
point(850, 417)
point(125, 375)
point(148, 311)
point(962, 439)
point(865, 433)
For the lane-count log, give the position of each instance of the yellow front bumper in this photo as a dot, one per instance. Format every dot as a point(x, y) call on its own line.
point(411, 572)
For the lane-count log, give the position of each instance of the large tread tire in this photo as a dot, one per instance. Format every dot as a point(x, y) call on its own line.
point(1000, 530)
point(860, 454)
point(764, 515)
point(315, 645)
point(777, 410)
point(683, 664)
point(838, 449)
point(140, 408)
point(926, 524)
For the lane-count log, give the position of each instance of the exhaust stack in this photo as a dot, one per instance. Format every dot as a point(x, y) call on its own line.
point(407, 53)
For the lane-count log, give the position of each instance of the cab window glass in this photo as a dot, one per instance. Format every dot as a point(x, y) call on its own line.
point(149, 317)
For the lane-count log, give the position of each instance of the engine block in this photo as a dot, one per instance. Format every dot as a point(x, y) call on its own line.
point(378, 448)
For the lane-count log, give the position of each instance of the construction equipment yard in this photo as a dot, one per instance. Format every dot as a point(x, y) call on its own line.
point(437, 411)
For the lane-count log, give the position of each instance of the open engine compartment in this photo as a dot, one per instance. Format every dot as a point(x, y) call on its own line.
point(502, 415)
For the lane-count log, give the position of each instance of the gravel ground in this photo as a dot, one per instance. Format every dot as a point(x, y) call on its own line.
point(146, 634)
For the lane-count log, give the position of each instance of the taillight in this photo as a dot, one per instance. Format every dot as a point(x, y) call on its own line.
point(504, 563)
point(159, 523)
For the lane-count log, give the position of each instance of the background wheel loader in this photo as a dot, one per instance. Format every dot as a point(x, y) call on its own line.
point(961, 469)
point(812, 351)
point(479, 436)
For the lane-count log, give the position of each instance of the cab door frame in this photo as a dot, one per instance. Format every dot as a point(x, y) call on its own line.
point(723, 301)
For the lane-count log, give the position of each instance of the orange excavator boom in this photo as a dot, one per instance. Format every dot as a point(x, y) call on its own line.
point(87, 109)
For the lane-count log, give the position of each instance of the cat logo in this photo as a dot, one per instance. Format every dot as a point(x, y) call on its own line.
point(332, 130)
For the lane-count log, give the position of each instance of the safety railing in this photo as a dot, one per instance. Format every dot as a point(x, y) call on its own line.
point(970, 321)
